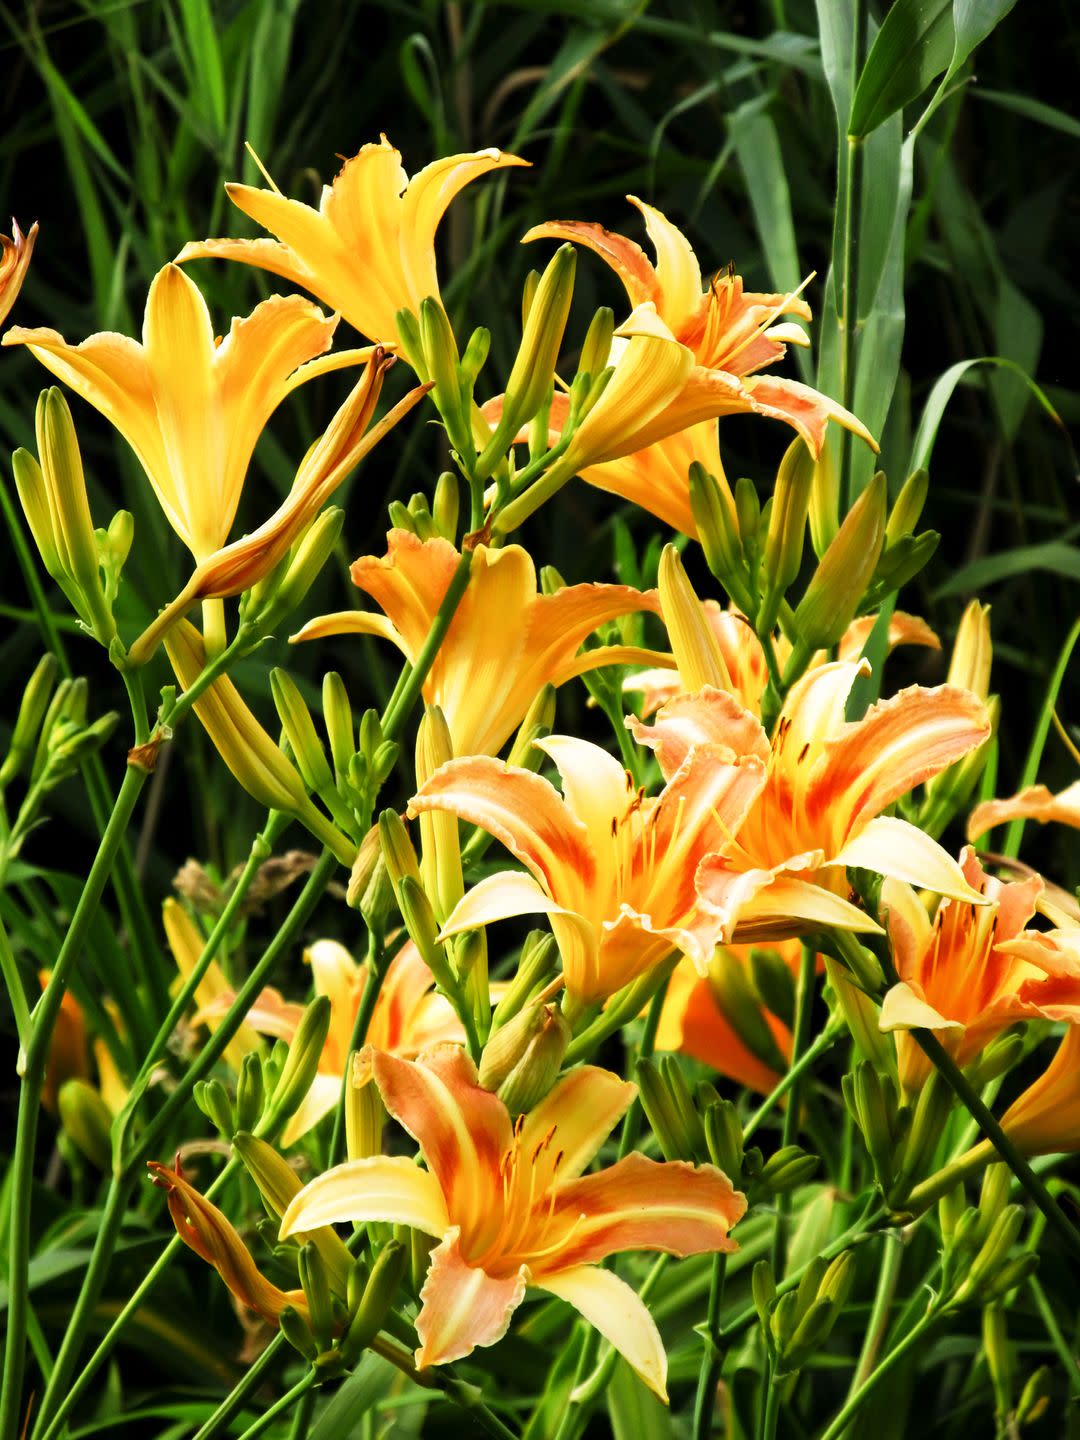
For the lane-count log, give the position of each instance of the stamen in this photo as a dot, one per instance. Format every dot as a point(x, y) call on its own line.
point(262, 168)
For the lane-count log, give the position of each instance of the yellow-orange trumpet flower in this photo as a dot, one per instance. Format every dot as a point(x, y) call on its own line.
point(820, 810)
point(191, 406)
point(15, 252)
point(612, 869)
point(203, 1228)
point(511, 1208)
point(408, 1017)
point(186, 943)
point(505, 642)
point(732, 333)
point(1034, 803)
point(368, 251)
point(970, 973)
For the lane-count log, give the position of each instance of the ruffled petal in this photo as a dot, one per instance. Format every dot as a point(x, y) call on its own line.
point(711, 717)
point(462, 1306)
point(1034, 803)
point(382, 1187)
point(625, 256)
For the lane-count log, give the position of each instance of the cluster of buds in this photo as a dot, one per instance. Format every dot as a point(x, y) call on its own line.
point(435, 521)
point(795, 1325)
point(981, 1262)
point(269, 1089)
point(901, 1138)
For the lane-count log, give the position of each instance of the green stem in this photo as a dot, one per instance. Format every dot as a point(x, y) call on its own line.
point(282, 1406)
point(825, 1041)
point(771, 1414)
point(236, 1398)
point(632, 1123)
point(712, 1359)
point(851, 202)
point(22, 1165)
point(856, 1400)
point(625, 1006)
point(20, 1007)
point(465, 1396)
point(1065, 1352)
point(947, 1178)
point(412, 681)
point(302, 1419)
point(804, 1002)
point(109, 1339)
point(878, 1327)
point(377, 966)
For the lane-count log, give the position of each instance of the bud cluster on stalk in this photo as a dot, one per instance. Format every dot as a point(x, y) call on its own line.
point(982, 1259)
point(796, 1324)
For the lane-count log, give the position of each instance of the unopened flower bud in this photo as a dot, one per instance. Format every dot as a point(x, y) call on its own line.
point(824, 514)
point(713, 508)
point(999, 1057)
point(861, 1016)
point(693, 642)
point(973, 651)
point(724, 1138)
point(338, 722)
point(250, 1092)
point(790, 1167)
point(419, 918)
point(397, 848)
point(299, 571)
point(929, 1117)
point(119, 539)
point(838, 1279)
point(401, 517)
point(844, 572)
point(521, 1062)
point(596, 347)
point(538, 721)
point(899, 565)
point(535, 967)
point(297, 1332)
point(474, 356)
point(862, 964)
point(441, 360)
point(1035, 1396)
point(787, 531)
point(907, 507)
point(408, 328)
point(316, 1285)
point(440, 849)
point(873, 1101)
point(993, 1255)
point(301, 1065)
point(300, 731)
point(32, 710)
point(87, 1121)
point(370, 1314)
point(212, 1099)
point(950, 1208)
point(365, 1114)
point(446, 505)
point(774, 982)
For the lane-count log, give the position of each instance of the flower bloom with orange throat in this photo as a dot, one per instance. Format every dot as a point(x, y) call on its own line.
point(970, 973)
point(15, 252)
point(612, 869)
point(505, 642)
point(368, 251)
point(511, 1208)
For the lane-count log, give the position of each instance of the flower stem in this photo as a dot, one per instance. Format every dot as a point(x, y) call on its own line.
point(771, 1412)
point(856, 1400)
point(22, 1166)
point(851, 209)
point(825, 1041)
point(878, 1326)
point(465, 1396)
point(713, 1358)
point(281, 1406)
point(804, 1003)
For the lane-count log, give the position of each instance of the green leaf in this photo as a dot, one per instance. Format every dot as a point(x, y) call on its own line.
point(915, 44)
point(973, 20)
point(635, 1412)
point(1036, 110)
point(1054, 556)
point(939, 397)
point(368, 1384)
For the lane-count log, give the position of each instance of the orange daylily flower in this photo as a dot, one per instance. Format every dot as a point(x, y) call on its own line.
point(68, 1057)
point(186, 943)
point(692, 1022)
point(203, 1228)
point(15, 255)
point(511, 1208)
point(1034, 803)
point(369, 249)
point(613, 870)
point(408, 1017)
point(970, 972)
point(505, 642)
point(732, 333)
point(820, 810)
point(190, 406)
point(744, 659)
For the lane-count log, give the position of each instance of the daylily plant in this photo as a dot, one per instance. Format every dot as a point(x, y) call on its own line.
point(512, 1208)
point(612, 869)
point(15, 252)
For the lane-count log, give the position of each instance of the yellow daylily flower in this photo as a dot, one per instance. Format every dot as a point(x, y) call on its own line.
point(368, 251)
point(191, 406)
point(186, 943)
point(505, 642)
point(15, 252)
point(613, 870)
point(512, 1209)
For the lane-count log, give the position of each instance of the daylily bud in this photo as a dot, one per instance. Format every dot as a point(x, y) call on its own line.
point(951, 1207)
point(401, 517)
point(538, 354)
point(423, 524)
point(861, 1016)
point(528, 295)
point(440, 849)
point(32, 710)
point(74, 747)
point(299, 728)
point(255, 761)
point(446, 504)
point(535, 967)
point(409, 330)
point(423, 930)
point(738, 1003)
point(783, 1320)
point(973, 651)
point(907, 507)
point(713, 508)
point(1035, 1396)
point(386, 1275)
point(838, 1279)
point(724, 1138)
point(365, 1114)
point(250, 1092)
point(824, 514)
point(278, 1183)
point(299, 571)
point(998, 1058)
point(994, 1191)
point(338, 722)
point(114, 546)
point(748, 516)
point(87, 1121)
point(301, 1064)
point(787, 531)
point(441, 360)
point(873, 1102)
point(213, 1100)
point(538, 721)
point(397, 848)
point(844, 572)
point(862, 964)
point(298, 1333)
point(993, 1255)
point(316, 1284)
point(931, 1113)
point(521, 1062)
point(693, 642)
point(682, 1103)
point(999, 1357)
point(790, 1167)
point(596, 347)
point(656, 1102)
point(73, 529)
point(474, 356)
point(899, 565)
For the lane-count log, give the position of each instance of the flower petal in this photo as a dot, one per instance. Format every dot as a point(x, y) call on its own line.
point(893, 847)
point(462, 1306)
point(349, 622)
point(1034, 803)
point(625, 256)
point(498, 897)
point(583, 1108)
point(711, 717)
point(903, 1009)
point(904, 629)
point(617, 1312)
point(677, 268)
point(382, 1187)
point(320, 1100)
